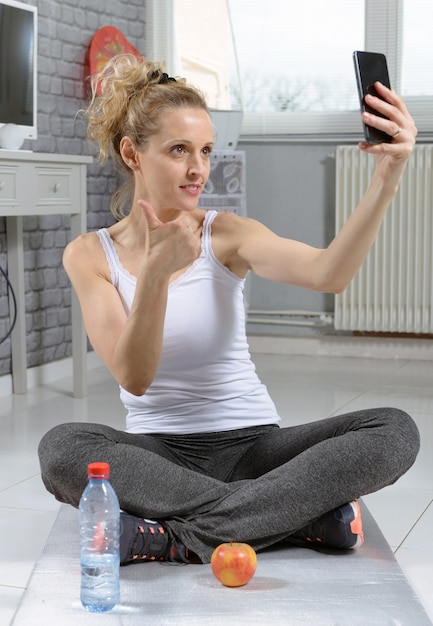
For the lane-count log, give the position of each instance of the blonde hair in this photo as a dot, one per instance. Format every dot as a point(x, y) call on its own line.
point(128, 99)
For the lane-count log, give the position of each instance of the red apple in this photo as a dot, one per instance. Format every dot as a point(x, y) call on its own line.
point(233, 564)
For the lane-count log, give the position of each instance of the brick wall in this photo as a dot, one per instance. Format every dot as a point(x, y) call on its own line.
point(65, 32)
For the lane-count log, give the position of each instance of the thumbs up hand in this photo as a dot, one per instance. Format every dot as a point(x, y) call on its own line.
point(176, 243)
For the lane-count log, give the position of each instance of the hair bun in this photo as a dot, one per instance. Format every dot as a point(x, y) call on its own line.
point(165, 78)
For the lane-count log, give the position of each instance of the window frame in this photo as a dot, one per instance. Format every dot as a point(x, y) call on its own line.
point(383, 29)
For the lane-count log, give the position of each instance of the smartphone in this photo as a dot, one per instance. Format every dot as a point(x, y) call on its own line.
point(370, 67)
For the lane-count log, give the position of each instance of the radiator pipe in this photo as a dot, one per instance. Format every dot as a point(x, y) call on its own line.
point(287, 318)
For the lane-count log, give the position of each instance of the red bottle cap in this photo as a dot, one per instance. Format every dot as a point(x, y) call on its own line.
point(98, 470)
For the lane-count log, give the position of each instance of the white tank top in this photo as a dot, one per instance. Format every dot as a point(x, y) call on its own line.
point(206, 381)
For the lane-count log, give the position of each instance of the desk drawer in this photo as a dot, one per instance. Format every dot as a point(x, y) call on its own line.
point(8, 185)
point(54, 185)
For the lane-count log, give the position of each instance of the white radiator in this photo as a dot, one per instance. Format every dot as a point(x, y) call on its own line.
point(393, 290)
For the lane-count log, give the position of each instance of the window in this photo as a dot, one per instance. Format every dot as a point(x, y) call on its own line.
point(288, 65)
point(417, 49)
point(281, 69)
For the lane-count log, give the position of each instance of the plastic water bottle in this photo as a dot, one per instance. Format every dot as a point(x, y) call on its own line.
point(99, 516)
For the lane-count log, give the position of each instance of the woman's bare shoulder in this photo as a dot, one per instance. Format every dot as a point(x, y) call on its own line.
point(235, 228)
point(86, 252)
point(229, 232)
point(228, 222)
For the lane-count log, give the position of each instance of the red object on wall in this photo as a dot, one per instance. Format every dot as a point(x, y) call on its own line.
point(106, 43)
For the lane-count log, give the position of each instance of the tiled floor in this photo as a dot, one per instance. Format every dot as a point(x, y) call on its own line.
point(304, 388)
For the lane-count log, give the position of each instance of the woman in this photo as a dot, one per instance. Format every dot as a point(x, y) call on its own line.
point(161, 296)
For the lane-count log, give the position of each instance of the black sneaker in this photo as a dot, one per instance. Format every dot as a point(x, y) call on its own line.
point(145, 540)
point(340, 528)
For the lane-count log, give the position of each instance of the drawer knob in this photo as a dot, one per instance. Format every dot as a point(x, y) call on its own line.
point(2, 185)
point(56, 187)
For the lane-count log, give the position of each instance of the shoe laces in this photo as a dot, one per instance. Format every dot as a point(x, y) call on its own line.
point(150, 543)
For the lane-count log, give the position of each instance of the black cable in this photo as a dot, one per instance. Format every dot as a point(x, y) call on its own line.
point(12, 292)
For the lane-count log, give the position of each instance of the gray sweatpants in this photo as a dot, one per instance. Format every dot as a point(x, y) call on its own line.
point(256, 485)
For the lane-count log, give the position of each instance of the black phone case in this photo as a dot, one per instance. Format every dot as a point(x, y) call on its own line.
point(370, 67)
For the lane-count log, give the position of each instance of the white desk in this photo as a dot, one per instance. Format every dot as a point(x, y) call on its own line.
point(42, 184)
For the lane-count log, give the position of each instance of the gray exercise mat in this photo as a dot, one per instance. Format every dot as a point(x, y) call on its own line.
point(292, 586)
